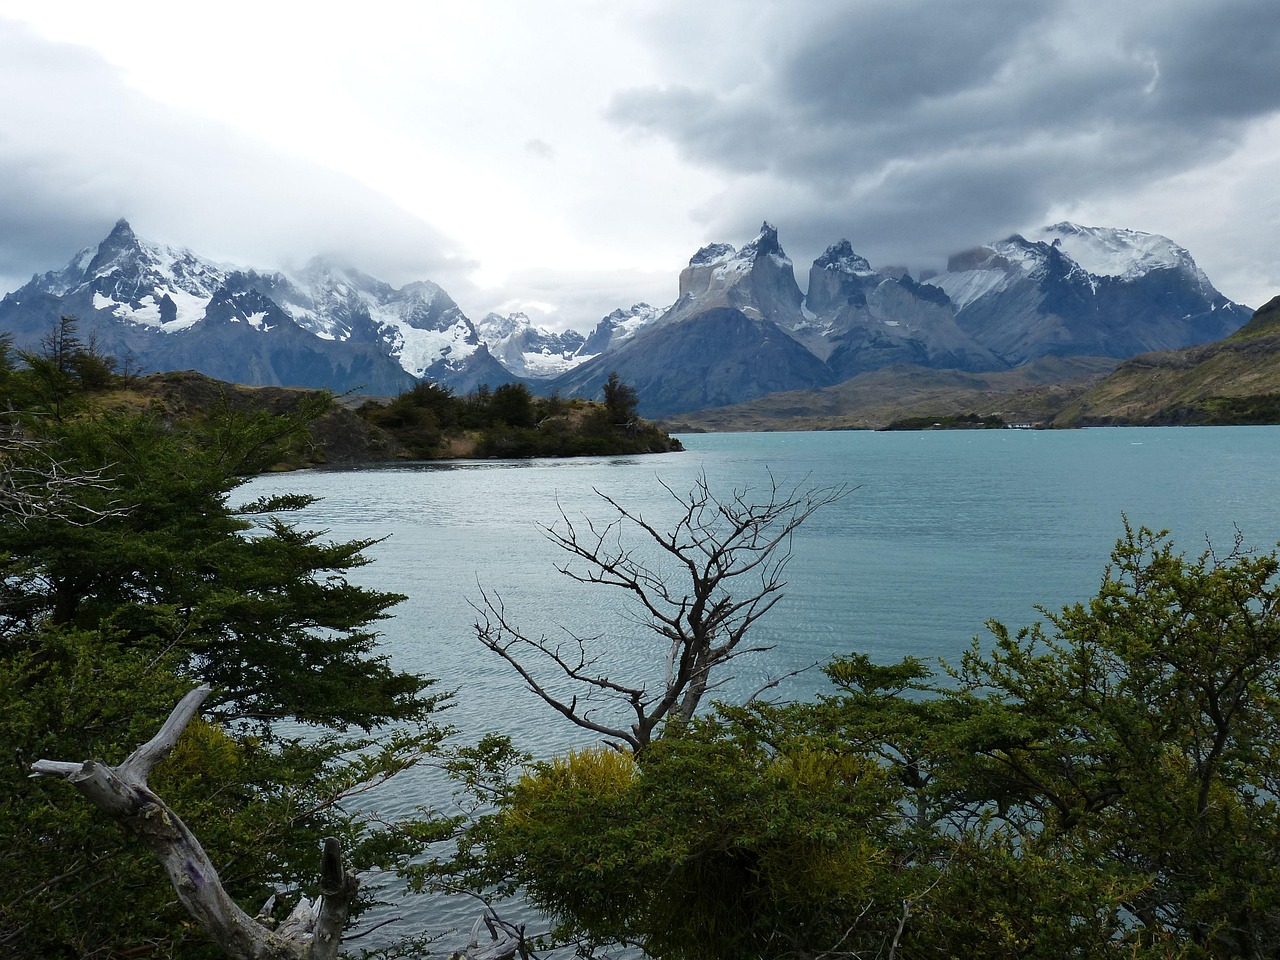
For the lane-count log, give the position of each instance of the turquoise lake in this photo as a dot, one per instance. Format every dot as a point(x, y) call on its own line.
point(943, 531)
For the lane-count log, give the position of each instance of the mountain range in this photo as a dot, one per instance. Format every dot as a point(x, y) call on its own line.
point(740, 327)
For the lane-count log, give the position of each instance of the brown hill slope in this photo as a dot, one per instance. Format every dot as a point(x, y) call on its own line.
point(1033, 393)
point(1236, 380)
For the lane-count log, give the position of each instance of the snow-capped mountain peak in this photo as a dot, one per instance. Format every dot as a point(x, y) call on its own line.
point(1116, 252)
point(170, 289)
point(994, 267)
point(495, 327)
point(754, 279)
point(140, 282)
point(528, 350)
point(1066, 288)
point(1089, 253)
point(765, 244)
point(841, 258)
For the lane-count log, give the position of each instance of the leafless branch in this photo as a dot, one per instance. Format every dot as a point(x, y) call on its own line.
point(728, 556)
point(36, 485)
point(313, 931)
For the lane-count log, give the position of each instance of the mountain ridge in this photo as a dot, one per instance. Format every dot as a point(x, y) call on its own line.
point(740, 327)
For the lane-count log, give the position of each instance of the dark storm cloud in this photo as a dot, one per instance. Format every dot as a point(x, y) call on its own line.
point(82, 150)
point(927, 126)
point(1216, 60)
point(881, 59)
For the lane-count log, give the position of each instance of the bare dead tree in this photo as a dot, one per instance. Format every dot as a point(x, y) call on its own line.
point(313, 931)
point(36, 485)
point(720, 570)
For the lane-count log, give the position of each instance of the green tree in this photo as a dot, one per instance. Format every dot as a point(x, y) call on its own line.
point(512, 404)
point(140, 579)
point(1144, 727)
point(620, 400)
point(64, 367)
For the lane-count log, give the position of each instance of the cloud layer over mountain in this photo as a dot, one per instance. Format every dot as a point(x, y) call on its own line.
point(564, 160)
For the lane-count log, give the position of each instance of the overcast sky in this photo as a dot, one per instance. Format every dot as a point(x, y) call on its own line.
point(568, 157)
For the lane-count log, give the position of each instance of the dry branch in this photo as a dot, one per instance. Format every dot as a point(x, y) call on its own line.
point(313, 931)
point(35, 485)
point(729, 553)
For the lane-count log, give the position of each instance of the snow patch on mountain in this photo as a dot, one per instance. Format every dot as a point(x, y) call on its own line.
point(494, 328)
point(417, 349)
point(189, 309)
point(528, 350)
point(1117, 252)
point(995, 267)
point(619, 327)
point(419, 323)
point(965, 286)
point(840, 258)
point(627, 325)
point(1091, 252)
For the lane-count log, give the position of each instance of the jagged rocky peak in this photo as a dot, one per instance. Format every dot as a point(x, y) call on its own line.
point(137, 281)
point(620, 326)
point(717, 272)
point(528, 350)
point(494, 326)
point(121, 242)
point(765, 244)
point(712, 253)
point(837, 278)
point(841, 258)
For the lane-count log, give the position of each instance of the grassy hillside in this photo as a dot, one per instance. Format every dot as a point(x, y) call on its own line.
point(1034, 393)
point(1232, 381)
point(426, 423)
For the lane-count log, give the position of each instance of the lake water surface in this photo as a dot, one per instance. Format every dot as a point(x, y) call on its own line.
point(943, 531)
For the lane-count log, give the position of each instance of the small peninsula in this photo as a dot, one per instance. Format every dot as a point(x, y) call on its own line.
point(427, 422)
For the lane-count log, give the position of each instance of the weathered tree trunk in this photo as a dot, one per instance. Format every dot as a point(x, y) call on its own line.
point(313, 931)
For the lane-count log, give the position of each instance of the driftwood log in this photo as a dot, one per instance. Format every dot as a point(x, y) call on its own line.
point(313, 931)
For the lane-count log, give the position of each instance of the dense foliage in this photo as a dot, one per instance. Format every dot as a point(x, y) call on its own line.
point(1101, 785)
point(510, 422)
point(126, 576)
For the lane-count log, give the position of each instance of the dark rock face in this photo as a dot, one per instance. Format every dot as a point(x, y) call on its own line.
point(1071, 291)
point(247, 338)
point(715, 358)
point(758, 279)
point(725, 340)
point(618, 327)
point(859, 319)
